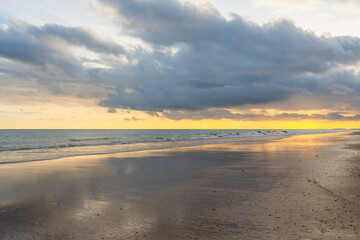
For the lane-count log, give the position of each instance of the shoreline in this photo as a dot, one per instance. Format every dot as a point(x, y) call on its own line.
point(302, 186)
point(145, 146)
point(192, 143)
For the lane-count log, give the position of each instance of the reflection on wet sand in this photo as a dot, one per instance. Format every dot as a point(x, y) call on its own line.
point(252, 190)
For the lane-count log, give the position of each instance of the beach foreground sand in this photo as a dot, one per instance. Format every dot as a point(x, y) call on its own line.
point(300, 187)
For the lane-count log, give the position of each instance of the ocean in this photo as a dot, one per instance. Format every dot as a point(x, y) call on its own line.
point(34, 145)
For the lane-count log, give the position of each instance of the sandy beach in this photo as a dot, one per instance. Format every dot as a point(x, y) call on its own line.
point(299, 187)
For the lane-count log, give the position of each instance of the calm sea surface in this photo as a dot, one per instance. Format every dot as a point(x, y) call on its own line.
point(33, 145)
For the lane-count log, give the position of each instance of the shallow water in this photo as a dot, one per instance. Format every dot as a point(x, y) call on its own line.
point(32, 145)
point(264, 189)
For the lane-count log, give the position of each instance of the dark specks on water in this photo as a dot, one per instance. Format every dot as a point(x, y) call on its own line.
point(32, 145)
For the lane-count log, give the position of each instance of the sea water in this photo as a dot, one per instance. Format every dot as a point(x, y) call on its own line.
point(32, 145)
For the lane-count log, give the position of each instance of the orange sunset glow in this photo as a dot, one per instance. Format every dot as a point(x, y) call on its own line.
point(244, 64)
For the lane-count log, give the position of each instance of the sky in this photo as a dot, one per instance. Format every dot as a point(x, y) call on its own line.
point(179, 64)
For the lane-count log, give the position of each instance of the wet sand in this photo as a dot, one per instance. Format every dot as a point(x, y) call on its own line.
point(300, 187)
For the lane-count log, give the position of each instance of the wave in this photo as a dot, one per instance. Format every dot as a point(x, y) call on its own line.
point(103, 141)
point(21, 148)
point(89, 139)
point(36, 148)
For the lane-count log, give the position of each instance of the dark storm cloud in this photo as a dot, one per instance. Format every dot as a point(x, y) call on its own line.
point(223, 63)
point(194, 60)
point(133, 119)
point(77, 36)
point(38, 45)
point(168, 21)
point(16, 43)
point(43, 53)
point(112, 110)
point(218, 114)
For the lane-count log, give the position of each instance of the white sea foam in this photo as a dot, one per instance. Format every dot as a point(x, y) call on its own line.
point(33, 145)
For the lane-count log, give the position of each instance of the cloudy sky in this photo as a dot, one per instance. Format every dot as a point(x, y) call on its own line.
point(179, 64)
